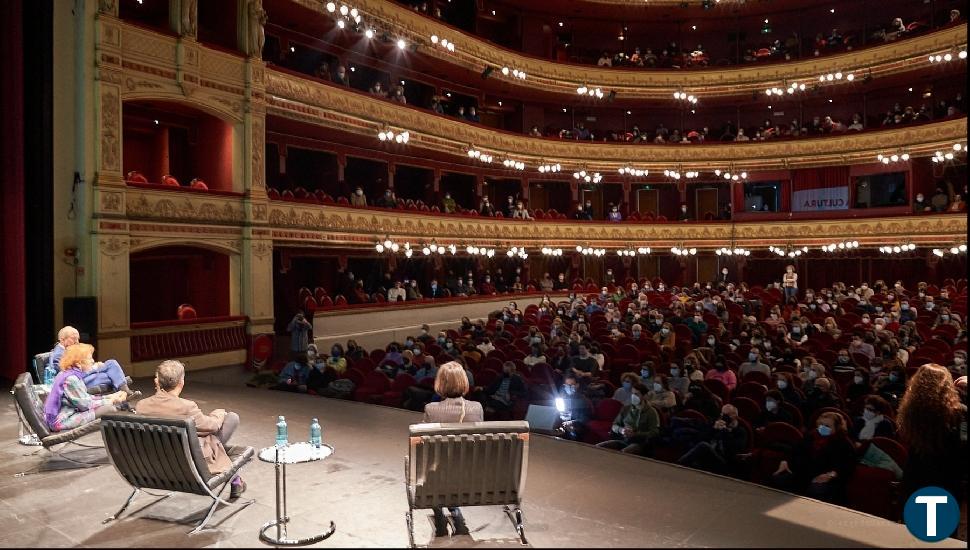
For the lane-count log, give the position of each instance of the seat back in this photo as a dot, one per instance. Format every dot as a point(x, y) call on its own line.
point(30, 405)
point(156, 453)
point(467, 464)
point(38, 365)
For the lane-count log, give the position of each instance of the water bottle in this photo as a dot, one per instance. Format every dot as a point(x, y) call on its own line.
point(281, 440)
point(315, 433)
point(48, 376)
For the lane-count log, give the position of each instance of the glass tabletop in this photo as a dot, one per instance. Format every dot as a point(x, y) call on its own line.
point(295, 453)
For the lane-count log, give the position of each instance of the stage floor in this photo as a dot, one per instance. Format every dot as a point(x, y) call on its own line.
point(576, 495)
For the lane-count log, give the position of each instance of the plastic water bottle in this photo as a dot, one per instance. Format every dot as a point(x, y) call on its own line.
point(316, 433)
point(281, 439)
point(48, 376)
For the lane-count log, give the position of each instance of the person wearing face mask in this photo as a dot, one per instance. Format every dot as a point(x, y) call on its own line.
point(822, 394)
point(720, 451)
point(783, 383)
point(502, 394)
point(723, 374)
point(635, 426)
point(958, 367)
point(920, 204)
point(683, 215)
point(697, 326)
point(892, 385)
point(583, 365)
point(451, 349)
point(774, 410)
point(296, 373)
point(874, 421)
point(536, 355)
point(844, 362)
point(679, 380)
point(906, 313)
point(358, 198)
point(822, 464)
point(754, 364)
point(627, 381)
point(435, 290)
point(660, 395)
point(448, 205)
point(666, 338)
point(646, 373)
point(858, 389)
point(575, 410)
point(560, 282)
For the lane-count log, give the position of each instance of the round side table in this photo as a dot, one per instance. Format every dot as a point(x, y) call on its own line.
point(294, 453)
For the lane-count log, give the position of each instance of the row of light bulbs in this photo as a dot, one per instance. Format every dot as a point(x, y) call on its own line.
point(514, 72)
point(844, 245)
point(631, 171)
point(390, 135)
point(948, 56)
point(792, 88)
point(345, 11)
point(593, 177)
point(940, 156)
point(443, 42)
point(592, 92)
point(830, 77)
point(549, 168)
point(390, 246)
point(484, 157)
point(684, 96)
point(729, 176)
point(792, 253)
point(517, 164)
point(897, 249)
point(724, 251)
point(886, 159)
point(954, 250)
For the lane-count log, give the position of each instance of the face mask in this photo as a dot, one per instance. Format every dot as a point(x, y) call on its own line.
point(843, 359)
point(875, 370)
point(359, 192)
point(665, 331)
point(752, 357)
point(812, 375)
point(409, 342)
point(824, 430)
point(893, 377)
point(767, 345)
point(658, 388)
point(635, 400)
point(930, 305)
point(796, 329)
point(434, 285)
point(782, 384)
point(945, 317)
point(569, 390)
point(868, 415)
point(771, 405)
point(675, 372)
point(697, 319)
point(958, 361)
point(441, 339)
point(905, 307)
point(644, 373)
point(311, 356)
point(710, 342)
point(628, 386)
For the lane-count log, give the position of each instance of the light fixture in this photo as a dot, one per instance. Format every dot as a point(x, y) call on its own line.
point(588, 177)
point(941, 157)
point(549, 168)
point(951, 251)
point(548, 251)
point(685, 97)
point(631, 171)
point(514, 164)
point(401, 44)
point(725, 251)
point(369, 33)
point(839, 246)
point(897, 249)
point(679, 251)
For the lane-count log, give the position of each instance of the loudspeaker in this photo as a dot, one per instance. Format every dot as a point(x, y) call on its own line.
point(81, 312)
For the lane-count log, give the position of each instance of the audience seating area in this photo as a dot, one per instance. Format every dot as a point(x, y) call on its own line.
point(870, 489)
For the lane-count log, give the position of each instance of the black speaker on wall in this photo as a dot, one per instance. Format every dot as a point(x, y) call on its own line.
point(81, 312)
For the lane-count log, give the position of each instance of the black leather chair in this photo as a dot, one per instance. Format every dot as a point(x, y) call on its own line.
point(467, 464)
point(31, 409)
point(37, 366)
point(164, 454)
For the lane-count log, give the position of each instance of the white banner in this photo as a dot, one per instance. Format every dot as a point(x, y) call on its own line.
point(812, 200)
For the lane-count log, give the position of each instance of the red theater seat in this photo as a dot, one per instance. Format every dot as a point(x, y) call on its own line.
point(272, 193)
point(876, 490)
point(602, 423)
point(197, 183)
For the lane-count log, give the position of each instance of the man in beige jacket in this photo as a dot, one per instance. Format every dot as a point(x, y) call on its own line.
point(214, 429)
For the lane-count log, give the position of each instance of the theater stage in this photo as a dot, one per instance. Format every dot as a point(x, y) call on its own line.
point(576, 495)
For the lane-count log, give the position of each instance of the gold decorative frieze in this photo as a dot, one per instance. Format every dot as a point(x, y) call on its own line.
point(474, 54)
point(335, 107)
point(174, 206)
point(329, 226)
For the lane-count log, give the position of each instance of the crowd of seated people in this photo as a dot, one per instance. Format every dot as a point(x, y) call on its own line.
point(834, 396)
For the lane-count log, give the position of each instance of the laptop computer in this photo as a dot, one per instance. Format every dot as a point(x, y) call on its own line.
point(542, 418)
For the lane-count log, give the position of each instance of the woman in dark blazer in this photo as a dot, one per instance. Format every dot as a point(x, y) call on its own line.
point(451, 383)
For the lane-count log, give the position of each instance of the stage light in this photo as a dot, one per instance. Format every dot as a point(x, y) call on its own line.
point(369, 33)
point(401, 44)
point(331, 7)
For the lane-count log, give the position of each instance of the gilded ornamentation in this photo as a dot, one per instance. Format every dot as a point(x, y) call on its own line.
point(335, 107)
point(110, 129)
point(114, 246)
point(110, 201)
point(133, 84)
point(259, 144)
point(184, 209)
point(261, 249)
point(474, 53)
point(259, 212)
point(257, 20)
point(351, 224)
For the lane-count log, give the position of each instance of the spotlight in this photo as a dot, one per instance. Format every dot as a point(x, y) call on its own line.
point(401, 44)
point(369, 33)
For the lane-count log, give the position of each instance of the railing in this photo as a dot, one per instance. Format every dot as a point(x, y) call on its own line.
point(168, 339)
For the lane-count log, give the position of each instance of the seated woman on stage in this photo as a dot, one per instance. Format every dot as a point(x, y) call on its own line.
point(451, 383)
point(69, 405)
point(101, 378)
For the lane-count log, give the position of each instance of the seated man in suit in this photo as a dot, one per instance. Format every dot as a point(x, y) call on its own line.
point(214, 429)
point(103, 378)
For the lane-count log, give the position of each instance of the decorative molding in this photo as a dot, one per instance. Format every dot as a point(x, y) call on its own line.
point(257, 150)
point(204, 209)
point(114, 246)
point(110, 129)
point(261, 249)
point(335, 107)
point(111, 201)
point(356, 227)
point(108, 7)
point(474, 53)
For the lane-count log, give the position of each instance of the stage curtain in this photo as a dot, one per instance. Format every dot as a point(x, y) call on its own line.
point(820, 178)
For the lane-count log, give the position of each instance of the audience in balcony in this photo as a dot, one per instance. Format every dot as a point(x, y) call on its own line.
point(448, 205)
point(377, 89)
point(520, 212)
point(341, 76)
point(358, 198)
